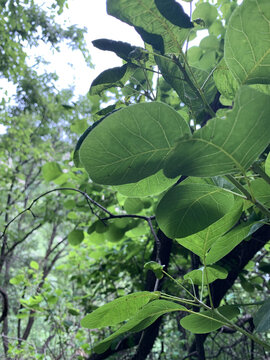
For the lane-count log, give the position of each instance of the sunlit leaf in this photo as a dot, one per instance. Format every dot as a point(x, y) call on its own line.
point(225, 146)
point(188, 209)
point(145, 15)
point(247, 43)
point(152, 185)
point(132, 143)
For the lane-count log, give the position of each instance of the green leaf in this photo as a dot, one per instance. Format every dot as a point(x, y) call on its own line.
point(267, 165)
point(201, 242)
point(262, 317)
point(225, 146)
point(79, 126)
point(188, 209)
point(120, 48)
point(132, 143)
point(187, 93)
point(114, 77)
point(174, 12)
point(34, 265)
point(133, 205)
point(210, 43)
point(118, 310)
point(206, 275)
point(208, 13)
point(208, 320)
point(247, 45)
point(229, 241)
point(152, 185)
point(145, 15)
point(76, 157)
point(225, 81)
point(144, 318)
point(156, 268)
point(51, 171)
point(75, 237)
point(260, 189)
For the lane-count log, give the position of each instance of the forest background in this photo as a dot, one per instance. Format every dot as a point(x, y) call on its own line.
point(70, 244)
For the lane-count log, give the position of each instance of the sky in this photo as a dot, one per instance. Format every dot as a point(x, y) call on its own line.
point(91, 14)
point(70, 65)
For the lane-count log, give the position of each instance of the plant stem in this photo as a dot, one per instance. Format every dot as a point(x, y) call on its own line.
point(256, 167)
point(248, 196)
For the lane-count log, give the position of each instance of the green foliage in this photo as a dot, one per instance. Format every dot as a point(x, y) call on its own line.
point(166, 211)
point(209, 320)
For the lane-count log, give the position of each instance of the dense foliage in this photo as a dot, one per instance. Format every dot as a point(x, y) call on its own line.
point(157, 224)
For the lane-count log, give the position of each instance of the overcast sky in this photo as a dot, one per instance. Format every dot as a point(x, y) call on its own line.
point(92, 15)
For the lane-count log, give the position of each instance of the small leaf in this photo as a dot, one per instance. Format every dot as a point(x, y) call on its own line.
point(144, 318)
point(200, 277)
point(133, 205)
point(51, 171)
point(208, 320)
point(34, 265)
point(114, 77)
point(262, 317)
point(188, 209)
point(120, 48)
point(208, 13)
point(261, 191)
point(118, 310)
point(156, 268)
point(75, 237)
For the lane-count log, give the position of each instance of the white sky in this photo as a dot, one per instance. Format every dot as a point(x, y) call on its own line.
point(69, 65)
point(92, 14)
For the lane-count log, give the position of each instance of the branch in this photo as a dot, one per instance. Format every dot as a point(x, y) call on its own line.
point(5, 305)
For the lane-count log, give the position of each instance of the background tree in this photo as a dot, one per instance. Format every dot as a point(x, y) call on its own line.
point(70, 244)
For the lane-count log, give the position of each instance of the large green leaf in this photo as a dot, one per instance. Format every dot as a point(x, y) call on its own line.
point(262, 317)
point(208, 320)
point(118, 310)
point(132, 143)
point(247, 42)
point(187, 93)
point(229, 241)
point(188, 209)
point(144, 318)
point(145, 15)
point(152, 185)
point(225, 146)
point(201, 242)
